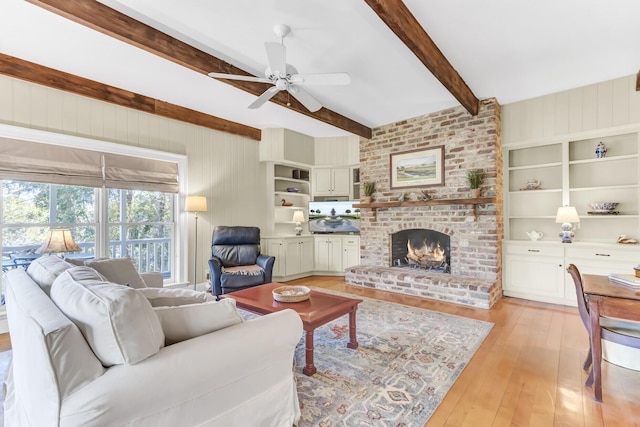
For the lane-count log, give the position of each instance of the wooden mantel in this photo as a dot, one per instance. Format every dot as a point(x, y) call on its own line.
point(433, 202)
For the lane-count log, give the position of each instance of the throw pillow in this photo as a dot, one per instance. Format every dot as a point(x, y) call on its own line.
point(118, 270)
point(45, 269)
point(118, 322)
point(183, 322)
point(161, 297)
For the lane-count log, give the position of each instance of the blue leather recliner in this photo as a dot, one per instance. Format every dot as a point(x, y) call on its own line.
point(236, 262)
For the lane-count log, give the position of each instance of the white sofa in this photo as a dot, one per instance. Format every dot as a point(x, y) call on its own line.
point(240, 375)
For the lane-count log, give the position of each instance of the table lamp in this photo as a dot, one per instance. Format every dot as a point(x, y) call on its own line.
point(58, 241)
point(298, 218)
point(567, 215)
point(195, 204)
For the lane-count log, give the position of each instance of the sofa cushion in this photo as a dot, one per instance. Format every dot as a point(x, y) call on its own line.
point(117, 321)
point(163, 297)
point(183, 322)
point(45, 269)
point(118, 270)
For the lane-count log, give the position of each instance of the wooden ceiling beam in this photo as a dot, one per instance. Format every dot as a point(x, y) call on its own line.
point(35, 73)
point(401, 21)
point(108, 21)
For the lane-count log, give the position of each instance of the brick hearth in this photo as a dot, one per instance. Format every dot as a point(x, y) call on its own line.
point(476, 260)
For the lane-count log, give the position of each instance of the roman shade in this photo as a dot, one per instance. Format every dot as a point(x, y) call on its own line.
point(136, 173)
point(57, 164)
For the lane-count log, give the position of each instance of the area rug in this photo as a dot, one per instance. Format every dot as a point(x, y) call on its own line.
point(407, 360)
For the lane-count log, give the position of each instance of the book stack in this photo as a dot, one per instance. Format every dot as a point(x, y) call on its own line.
point(627, 280)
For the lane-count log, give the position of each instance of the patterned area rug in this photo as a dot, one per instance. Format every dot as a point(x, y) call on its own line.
point(407, 360)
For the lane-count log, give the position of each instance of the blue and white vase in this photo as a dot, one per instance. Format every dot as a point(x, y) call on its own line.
point(601, 150)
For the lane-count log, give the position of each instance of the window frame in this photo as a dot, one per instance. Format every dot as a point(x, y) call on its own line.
point(179, 268)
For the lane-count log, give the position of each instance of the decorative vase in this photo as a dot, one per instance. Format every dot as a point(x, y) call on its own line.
point(601, 150)
point(475, 193)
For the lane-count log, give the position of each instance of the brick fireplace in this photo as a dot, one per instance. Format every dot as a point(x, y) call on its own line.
point(472, 234)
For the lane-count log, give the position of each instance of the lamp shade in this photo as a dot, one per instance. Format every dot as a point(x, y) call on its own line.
point(58, 241)
point(567, 214)
point(196, 204)
point(298, 216)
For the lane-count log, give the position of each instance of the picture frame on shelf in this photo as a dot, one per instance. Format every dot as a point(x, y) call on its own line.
point(417, 168)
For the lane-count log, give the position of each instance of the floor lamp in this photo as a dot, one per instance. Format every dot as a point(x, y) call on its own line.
point(195, 204)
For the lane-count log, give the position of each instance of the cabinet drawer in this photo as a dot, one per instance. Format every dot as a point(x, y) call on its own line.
point(351, 241)
point(604, 254)
point(535, 250)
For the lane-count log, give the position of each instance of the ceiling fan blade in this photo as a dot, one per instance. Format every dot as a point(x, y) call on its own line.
point(266, 95)
point(237, 77)
point(277, 57)
point(309, 102)
point(321, 79)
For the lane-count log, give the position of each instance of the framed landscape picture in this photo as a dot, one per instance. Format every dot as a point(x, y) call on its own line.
point(417, 168)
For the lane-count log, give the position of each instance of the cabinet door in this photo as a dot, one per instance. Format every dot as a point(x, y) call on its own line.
point(322, 182)
point(335, 254)
point(350, 252)
point(341, 181)
point(275, 248)
point(306, 255)
point(292, 255)
point(322, 253)
point(536, 278)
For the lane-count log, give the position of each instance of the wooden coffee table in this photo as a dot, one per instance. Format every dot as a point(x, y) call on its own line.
point(319, 309)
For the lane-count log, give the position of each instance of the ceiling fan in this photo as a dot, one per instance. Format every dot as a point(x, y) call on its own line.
point(284, 76)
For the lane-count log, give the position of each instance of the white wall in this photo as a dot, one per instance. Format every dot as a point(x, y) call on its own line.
point(573, 113)
point(223, 167)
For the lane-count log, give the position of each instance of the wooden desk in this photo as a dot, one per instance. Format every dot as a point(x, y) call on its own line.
point(610, 300)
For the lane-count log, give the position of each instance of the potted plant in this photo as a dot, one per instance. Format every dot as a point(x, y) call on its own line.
point(368, 188)
point(475, 178)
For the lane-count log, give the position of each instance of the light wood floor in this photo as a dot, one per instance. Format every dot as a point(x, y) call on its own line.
point(528, 371)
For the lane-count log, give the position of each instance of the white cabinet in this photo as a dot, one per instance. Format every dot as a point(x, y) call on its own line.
point(294, 256)
point(331, 182)
point(328, 253)
point(350, 251)
point(537, 270)
point(298, 255)
point(334, 253)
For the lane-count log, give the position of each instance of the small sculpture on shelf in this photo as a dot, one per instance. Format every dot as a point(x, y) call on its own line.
point(533, 184)
point(626, 240)
point(601, 150)
point(285, 203)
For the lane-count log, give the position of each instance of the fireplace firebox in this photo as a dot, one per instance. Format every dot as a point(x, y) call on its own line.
point(421, 249)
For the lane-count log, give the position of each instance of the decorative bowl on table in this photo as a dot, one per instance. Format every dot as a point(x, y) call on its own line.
point(602, 207)
point(291, 293)
point(293, 189)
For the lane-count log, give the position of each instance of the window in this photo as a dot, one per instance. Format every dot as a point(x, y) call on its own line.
point(140, 223)
point(116, 199)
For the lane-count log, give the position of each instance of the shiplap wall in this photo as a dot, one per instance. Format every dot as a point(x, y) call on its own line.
point(223, 167)
point(606, 105)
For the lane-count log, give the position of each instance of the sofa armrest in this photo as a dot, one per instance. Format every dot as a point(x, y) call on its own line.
point(153, 279)
point(243, 371)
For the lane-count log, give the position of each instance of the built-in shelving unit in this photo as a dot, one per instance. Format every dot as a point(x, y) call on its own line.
point(285, 177)
point(570, 173)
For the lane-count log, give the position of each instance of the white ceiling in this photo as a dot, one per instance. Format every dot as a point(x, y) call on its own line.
point(511, 50)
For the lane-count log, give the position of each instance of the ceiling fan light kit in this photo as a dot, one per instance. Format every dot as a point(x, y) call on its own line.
point(285, 76)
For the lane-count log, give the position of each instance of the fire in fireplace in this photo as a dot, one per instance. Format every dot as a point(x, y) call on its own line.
point(422, 249)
